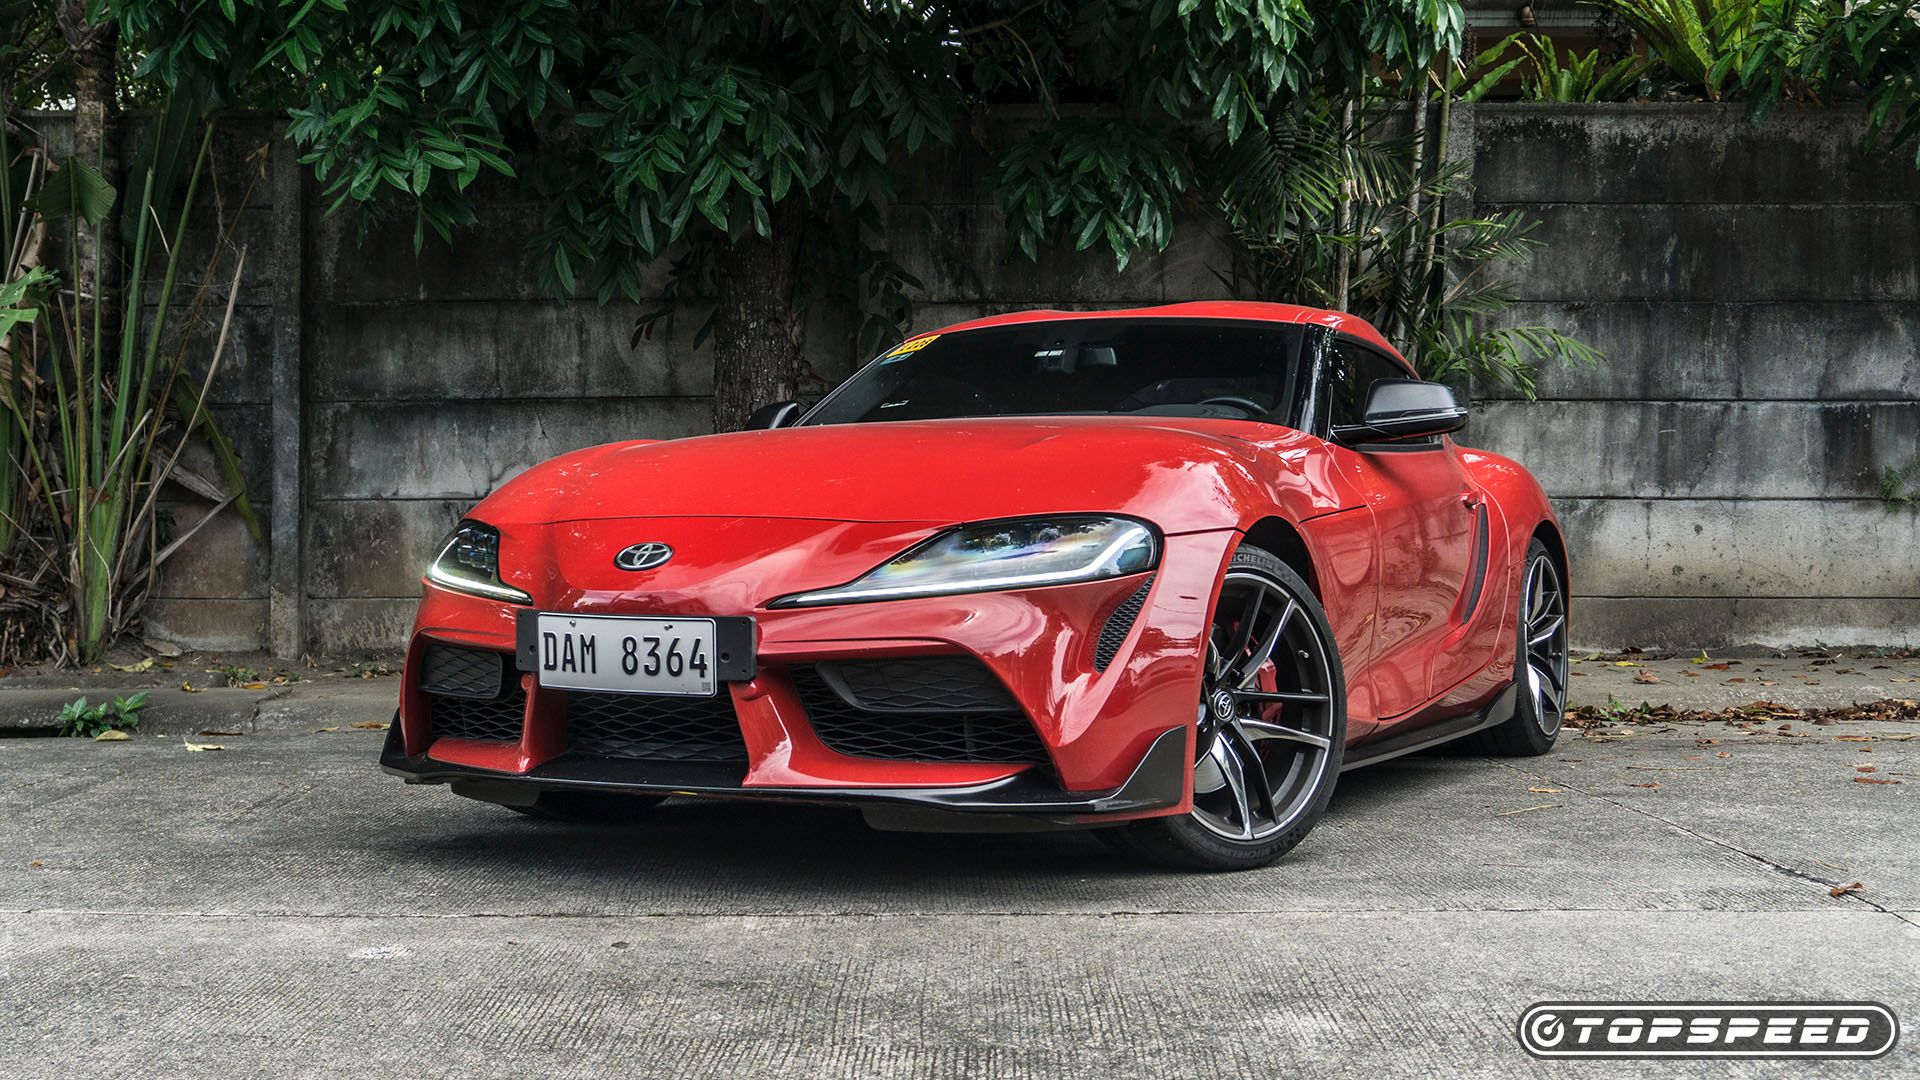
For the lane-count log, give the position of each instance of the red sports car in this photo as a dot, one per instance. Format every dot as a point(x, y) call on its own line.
point(1164, 572)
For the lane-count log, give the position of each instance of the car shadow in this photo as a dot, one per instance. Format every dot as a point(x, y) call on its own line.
point(722, 843)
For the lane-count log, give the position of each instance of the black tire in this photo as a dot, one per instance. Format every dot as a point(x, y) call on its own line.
point(1540, 667)
point(1198, 840)
point(591, 807)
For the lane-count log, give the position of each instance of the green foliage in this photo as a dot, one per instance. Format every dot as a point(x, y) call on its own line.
point(75, 191)
point(81, 720)
point(1829, 51)
point(1434, 284)
point(13, 298)
point(1092, 181)
point(1548, 76)
point(1901, 486)
point(1695, 40)
point(679, 130)
point(94, 420)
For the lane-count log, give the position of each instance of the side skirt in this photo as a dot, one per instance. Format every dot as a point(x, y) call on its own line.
point(1495, 712)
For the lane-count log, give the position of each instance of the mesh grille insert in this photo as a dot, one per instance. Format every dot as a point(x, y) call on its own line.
point(463, 673)
point(923, 684)
point(498, 720)
point(1118, 626)
point(946, 720)
point(654, 727)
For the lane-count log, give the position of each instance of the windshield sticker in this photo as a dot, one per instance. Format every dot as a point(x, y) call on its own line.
point(907, 348)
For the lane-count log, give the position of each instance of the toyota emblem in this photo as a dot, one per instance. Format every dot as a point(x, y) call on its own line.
point(643, 556)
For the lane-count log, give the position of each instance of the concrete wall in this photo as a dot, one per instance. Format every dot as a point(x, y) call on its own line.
point(1756, 294)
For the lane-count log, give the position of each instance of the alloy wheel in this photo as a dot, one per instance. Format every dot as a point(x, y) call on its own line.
point(1543, 614)
point(1264, 745)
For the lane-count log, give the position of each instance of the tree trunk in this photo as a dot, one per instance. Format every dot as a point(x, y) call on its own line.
point(94, 47)
point(757, 333)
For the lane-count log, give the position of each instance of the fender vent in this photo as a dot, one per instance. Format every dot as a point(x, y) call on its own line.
point(1119, 625)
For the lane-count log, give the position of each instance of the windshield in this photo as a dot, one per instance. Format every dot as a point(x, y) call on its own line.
point(1222, 369)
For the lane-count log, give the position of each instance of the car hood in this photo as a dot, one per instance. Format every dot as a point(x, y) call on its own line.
point(1177, 473)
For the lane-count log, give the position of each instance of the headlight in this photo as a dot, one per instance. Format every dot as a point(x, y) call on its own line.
point(469, 562)
point(1002, 555)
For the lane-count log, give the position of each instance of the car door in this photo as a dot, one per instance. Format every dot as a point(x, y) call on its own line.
point(1425, 512)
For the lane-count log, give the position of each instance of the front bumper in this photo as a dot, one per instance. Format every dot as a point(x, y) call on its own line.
point(1099, 722)
point(1157, 783)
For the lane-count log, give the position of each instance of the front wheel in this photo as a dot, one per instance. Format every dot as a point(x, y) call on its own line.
point(1270, 727)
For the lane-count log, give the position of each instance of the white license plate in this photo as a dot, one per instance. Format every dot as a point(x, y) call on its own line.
point(627, 655)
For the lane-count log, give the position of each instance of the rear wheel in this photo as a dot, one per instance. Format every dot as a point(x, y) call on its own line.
point(590, 807)
point(1270, 725)
point(1540, 664)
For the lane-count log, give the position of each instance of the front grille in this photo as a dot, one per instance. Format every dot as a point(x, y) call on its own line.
point(949, 709)
point(471, 695)
point(1118, 625)
point(654, 727)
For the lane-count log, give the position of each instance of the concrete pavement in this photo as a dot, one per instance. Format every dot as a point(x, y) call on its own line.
point(281, 908)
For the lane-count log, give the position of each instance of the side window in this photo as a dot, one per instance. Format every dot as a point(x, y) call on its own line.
point(1354, 371)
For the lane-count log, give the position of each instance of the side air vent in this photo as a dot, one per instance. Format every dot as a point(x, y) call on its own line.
point(1118, 626)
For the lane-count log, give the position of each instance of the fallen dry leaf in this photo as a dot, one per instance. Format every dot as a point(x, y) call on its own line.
point(1853, 738)
point(1865, 768)
point(1649, 784)
point(36, 864)
point(1646, 677)
point(1527, 809)
point(253, 686)
point(1546, 790)
point(138, 665)
point(1723, 753)
point(189, 687)
point(197, 747)
point(1842, 890)
point(324, 730)
point(1873, 780)
point(113, 735)
point(370, 725)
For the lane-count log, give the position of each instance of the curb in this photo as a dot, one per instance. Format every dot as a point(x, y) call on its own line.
point(295, 709)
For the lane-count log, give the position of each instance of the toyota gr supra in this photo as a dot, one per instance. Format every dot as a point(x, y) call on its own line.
point(1163, 572)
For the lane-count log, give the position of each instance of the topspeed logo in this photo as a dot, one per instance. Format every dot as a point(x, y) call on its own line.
point(1717, 1029)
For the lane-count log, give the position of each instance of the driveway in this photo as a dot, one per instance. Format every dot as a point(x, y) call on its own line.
point(281, 908)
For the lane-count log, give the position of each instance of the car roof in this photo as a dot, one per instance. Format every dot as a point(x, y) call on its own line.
point(1247, 310)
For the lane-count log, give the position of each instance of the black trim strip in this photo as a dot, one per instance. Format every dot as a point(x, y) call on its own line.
point(1478, 578)
point(1158, 782)
point(1495, 712)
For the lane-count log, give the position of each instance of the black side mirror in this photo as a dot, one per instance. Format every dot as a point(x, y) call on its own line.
point(1405, 409)
point(777, 415)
